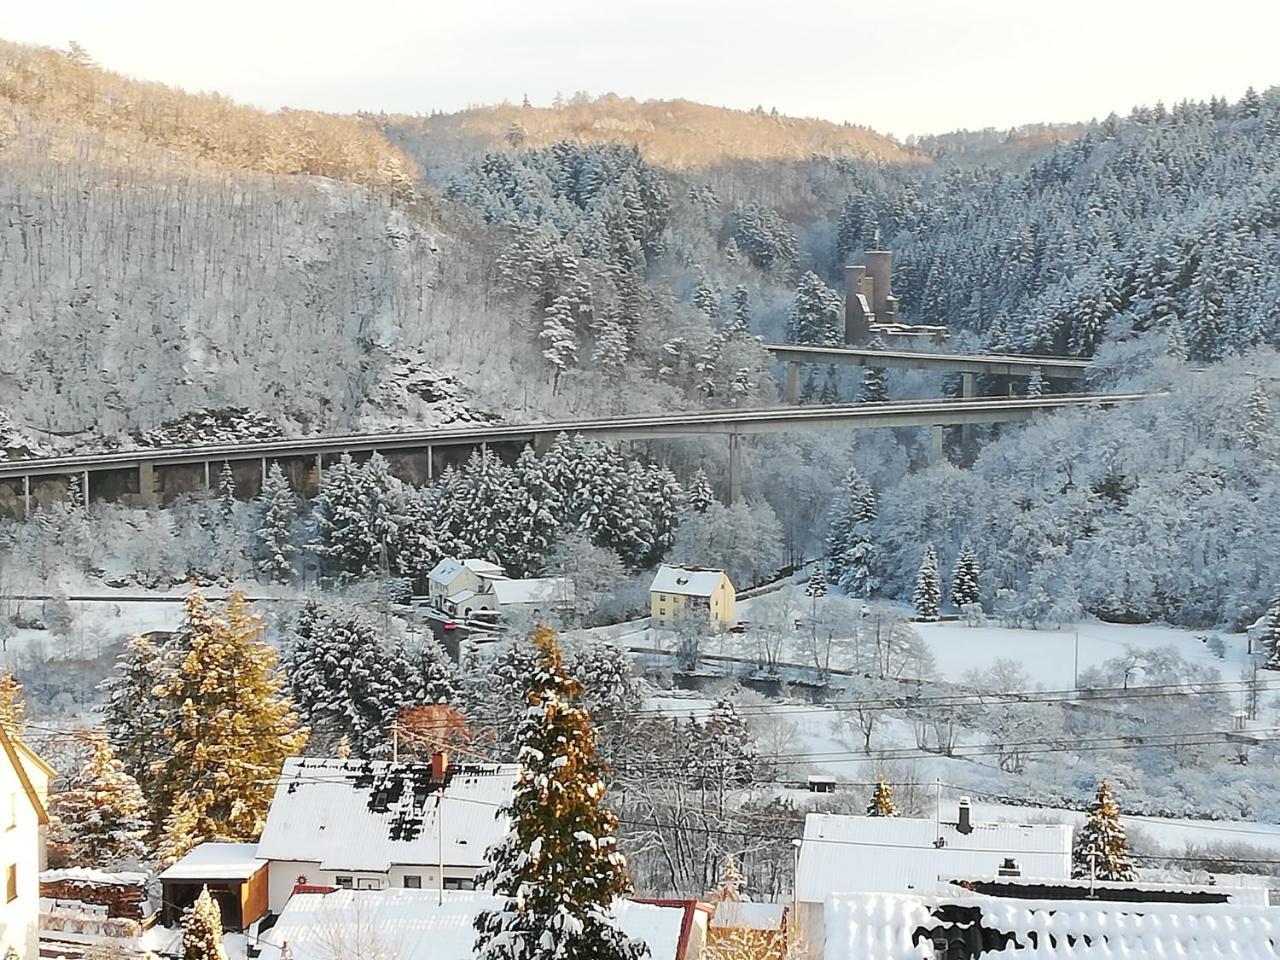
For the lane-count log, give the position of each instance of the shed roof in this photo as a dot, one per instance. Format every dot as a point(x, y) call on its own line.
point(370, 814)
point(414, 925)
point(217, 861)
point(842, 854)
point(896, 927)
point(533, 590)
point(686, 581)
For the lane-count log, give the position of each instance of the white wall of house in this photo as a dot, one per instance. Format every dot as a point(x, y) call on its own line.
point(284, 874)
point(20, 854)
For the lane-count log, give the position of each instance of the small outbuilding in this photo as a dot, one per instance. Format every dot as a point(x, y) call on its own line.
point(236, 879)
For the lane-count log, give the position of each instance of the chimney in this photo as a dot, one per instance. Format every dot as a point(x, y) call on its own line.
point(880, 269)
point(439, 765)
point(964, 824)
point(1010, 868)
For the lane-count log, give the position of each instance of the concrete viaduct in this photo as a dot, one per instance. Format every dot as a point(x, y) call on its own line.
point(158, 475)
point(795, 355)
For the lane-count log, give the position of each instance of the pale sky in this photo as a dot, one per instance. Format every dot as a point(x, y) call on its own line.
point(899, 66)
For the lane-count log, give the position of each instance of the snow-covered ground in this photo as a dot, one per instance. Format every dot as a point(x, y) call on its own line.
point(1051, 656)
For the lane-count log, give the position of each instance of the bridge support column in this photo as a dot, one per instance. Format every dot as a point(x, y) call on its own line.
point(735, 468)
point(935, 444)
point(968, 389)
point(208, 480)
point(147, 484)
point(84, 490)
point(793, 383)
point(26, 497)
point(431, 470)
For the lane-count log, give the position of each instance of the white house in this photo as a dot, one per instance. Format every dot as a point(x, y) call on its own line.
point(451, 578)
point(844, 855)
point(535, 595)
point(675, 590)
point(371, 825)
point(424, 925)
point(24, 792)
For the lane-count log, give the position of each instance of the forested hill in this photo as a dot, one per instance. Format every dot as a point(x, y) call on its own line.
point(672, 134)
point(1166, 220)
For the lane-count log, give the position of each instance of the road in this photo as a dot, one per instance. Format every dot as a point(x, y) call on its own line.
point(727, 422)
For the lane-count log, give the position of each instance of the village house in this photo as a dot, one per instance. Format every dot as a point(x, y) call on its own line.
point(676, 591)
point(24, 793)
point(372, 824)
point(429, 925)
point(453, 585)
point(844, 855)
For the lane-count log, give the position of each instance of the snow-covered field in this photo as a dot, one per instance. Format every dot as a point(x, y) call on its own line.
point(1050, 656)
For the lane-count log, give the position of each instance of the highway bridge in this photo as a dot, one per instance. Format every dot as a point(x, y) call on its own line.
point(968, 365)
point(160, 474)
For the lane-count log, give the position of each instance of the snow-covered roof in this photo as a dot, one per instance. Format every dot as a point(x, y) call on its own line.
point(97, 878)
point(370, 814)
point(483, 568)
point(446, 571)
point(1248, 892)
point(686, 581)
point(843, 854)
point(744, 914)
point(217, 861)
point(413, 925)
point(897, 927)
point(534, 590)
point(462, 596)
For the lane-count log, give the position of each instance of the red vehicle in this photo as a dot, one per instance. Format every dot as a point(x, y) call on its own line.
point(450, 625)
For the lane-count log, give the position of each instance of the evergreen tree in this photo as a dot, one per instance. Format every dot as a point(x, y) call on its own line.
point(133, 713)
point(1035, 383)
point(851, 553)
point(227, 490)
point(706, 297)
point(1257, 427)
point(875, 387)
point(278, 509)
point(964, 581)
point(230, 731)
point(99, 816)
point(928, 592)
point(830, 392)
point(559, 343)
point(701, 496)
point(816, 315)
point(559, 868)
point(739, 324)
point(881, 804)
point(817, 585)
point(1271, 633)
point(535, 509)
point(356, 518)
point(202, 930)
point(346, 682)
point(1100, 848)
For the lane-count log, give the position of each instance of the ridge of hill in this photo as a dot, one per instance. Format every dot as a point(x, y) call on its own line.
point(674, 134)
point(65, 93)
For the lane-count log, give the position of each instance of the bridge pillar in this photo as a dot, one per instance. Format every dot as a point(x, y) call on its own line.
point(26, 497)
point(935, 444)
point(147, 484)
point(735, 468)
point(793, 383)
point(968, 389)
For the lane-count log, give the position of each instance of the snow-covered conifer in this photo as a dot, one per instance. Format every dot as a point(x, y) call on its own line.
point(928, 592)
point(1270, 640)
point(875, 389)
point(227, 490)
point(231, 729)
point(816, 314)
point(700, 494)
point(1035, 383)
point(202, 930)
point(132, 713)
point(817, 585)
point(964, 580)
point(851, 554)
point(1258, 430)
point(559, 869)
point(99, 816)
point(881, 803)
point(278, 510)
point(1100, 847)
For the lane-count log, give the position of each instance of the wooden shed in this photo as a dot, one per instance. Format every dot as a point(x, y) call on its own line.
point(236, 879)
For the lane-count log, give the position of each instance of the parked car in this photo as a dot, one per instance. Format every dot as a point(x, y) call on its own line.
point(449, 625)
point(742, 626)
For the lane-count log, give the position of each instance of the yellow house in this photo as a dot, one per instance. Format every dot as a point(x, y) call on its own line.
point(678, 589)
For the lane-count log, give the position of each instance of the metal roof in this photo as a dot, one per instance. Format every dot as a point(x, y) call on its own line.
point(370, 814)
point(532, 590)
point(842, 854)
point(217, 861)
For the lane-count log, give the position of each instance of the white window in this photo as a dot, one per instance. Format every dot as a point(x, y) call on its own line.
point(346, 883)
point(412, 882)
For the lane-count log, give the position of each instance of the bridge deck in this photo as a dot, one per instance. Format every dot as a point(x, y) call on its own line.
point(1008, 365)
